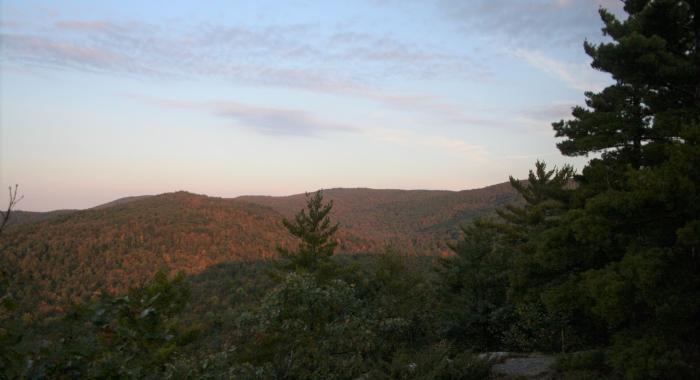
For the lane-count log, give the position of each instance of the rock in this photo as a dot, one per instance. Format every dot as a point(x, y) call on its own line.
point(495, 357)
point(533, 366)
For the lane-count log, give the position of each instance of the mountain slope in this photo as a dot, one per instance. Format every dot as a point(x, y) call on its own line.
point(24, 217)
point(111, 248)
point(416, 221)
point(19, 217)
point(68, 257)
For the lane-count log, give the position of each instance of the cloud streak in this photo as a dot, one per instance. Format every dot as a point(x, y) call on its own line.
point(265, 120)
point(284, 122)
point(47, 52)
point(245, 53)
point(451, 145)
point(528, 23)
point(577, 76)
point(299, 56)
point(280, 122)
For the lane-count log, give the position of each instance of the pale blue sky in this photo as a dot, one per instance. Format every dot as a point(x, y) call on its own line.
point(100, 100)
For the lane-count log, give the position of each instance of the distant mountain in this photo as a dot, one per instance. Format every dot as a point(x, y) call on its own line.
point(19, 217)
point(416, 221)
point(64, 259)
point(122, 201)
point(66, 256)
point(23, 217)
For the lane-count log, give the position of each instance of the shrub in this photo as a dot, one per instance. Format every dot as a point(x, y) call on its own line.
point(648, 357)
point(437, 362)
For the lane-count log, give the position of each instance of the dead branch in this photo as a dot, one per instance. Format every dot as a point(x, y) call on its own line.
point(14, 199)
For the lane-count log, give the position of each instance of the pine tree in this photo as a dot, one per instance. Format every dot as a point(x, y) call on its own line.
point(655, 62)
point(546, 194)
point(626, 254)
point(313, 227)
point(473, 284)
point(494, 267)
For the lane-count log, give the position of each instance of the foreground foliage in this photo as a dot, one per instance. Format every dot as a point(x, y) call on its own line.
point(132, 336)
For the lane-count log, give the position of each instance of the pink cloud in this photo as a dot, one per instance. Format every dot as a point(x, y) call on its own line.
point(265, 120)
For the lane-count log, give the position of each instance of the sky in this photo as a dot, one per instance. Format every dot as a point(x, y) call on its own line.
point(101, 100)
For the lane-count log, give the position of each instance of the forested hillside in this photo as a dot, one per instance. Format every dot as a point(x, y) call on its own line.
point(24, 217)
point(413, 221)
point(70, 256)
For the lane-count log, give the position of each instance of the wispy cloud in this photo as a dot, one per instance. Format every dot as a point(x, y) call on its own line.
point(90, 25)
point(474, 151)
point(266, 120)
point(300, 56)
point(550, 112)
point(440, 143)
point(238, 52)
point(275, 121)
point(445, 111)
point(281, 122)
point(578, 76)
point(529, 23)
point(48, 52)
point(424, 61)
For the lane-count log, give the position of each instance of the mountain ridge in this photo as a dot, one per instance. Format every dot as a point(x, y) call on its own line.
point(72, 256)
point(131, 198)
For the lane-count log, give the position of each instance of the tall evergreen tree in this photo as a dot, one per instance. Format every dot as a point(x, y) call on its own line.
point(473, 284)
point(313, 227)
point(495, 268)
point(547, 195)
point(626, 253)
point(655, 62)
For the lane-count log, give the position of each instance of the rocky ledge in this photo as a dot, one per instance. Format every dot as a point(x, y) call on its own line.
point(509, 365)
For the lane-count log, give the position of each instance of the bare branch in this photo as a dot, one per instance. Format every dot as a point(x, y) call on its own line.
point(14, 199)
